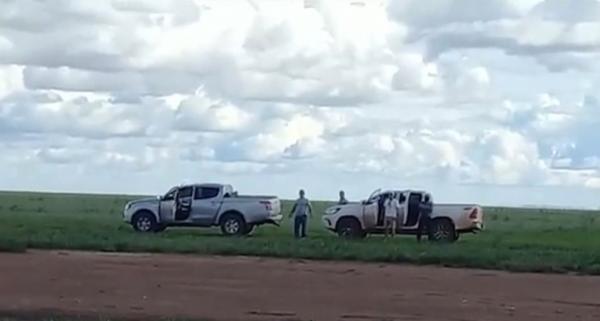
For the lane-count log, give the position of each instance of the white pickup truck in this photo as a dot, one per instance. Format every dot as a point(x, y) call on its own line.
point(448, 221)
point(203, 205)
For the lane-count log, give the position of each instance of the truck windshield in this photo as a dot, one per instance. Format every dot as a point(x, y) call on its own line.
point(170, 194)
point(374, 194)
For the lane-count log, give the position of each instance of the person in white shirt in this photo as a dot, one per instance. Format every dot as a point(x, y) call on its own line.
point(392, 209)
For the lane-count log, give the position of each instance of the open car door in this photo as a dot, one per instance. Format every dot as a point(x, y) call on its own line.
point(184, 203)
point(412, 212)
point(370, 209)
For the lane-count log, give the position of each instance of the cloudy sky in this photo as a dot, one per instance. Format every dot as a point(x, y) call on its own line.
point(495, 102)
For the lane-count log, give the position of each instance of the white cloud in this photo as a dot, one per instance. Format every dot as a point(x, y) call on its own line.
point(443, 12)
point(200, 113)
point(413, 73)
point(456, 92)
point(557, 34)
point(568, 11)
point(11, 79)
point(297, 136)
point(508, 158)
point(60, 155)
point(49, 112)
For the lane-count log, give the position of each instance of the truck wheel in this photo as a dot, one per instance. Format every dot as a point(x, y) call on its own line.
point(350, 228)
point(233, 225)
point(144, 222)
point(442, 230)
point(249, 229)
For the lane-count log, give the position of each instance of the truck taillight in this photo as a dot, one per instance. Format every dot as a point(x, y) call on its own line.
point(474, 213)
point(267, 205)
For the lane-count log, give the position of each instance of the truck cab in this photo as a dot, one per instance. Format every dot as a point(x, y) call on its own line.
point(196, 204)
point(373, 214)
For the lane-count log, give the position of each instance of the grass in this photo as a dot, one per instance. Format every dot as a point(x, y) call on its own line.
point(514, 239)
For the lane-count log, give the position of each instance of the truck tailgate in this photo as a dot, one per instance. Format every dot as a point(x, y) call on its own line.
point(275, 207)
point(465, 216)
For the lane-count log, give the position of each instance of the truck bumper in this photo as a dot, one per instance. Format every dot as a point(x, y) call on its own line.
point(475, 228)
point(328, 223)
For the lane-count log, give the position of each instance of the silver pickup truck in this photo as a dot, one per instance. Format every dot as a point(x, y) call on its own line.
point(203, 205)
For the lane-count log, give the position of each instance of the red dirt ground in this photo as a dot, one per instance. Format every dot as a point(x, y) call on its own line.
point(236, 288)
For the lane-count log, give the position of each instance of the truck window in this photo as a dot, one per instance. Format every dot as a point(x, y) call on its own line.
point(170, 195)
point(203, 193)
point(185, 192)
point(417, 197)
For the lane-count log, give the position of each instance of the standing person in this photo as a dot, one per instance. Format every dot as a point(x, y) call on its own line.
point(300, 211)
point(425, 209)
point(392, 209)
point(381, 209)
point(343, 200)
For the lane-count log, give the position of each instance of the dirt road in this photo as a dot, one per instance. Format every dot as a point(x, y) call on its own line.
point(216, 288)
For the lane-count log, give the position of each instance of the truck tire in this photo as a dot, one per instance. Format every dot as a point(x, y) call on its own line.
point(442, 230)
point(233, 224)
point(350, 228)
point(249, 228)
point(144, 222)
point(160, 228)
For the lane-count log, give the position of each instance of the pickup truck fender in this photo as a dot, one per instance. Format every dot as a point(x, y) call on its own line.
point(222, 212)
point(143, 207)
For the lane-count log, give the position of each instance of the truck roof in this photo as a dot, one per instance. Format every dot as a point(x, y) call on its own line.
point(217, 185)
point(402, 191)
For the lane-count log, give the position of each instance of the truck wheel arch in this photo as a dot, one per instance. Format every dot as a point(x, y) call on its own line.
point(144, 212)
point(350, 220)
point(223, 215)
point(446, 223)
point(240, 219)
point(348, 217)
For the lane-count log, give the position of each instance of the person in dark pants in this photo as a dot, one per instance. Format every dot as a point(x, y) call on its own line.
point(425, 209)
point(300, 211)
point(381, 209)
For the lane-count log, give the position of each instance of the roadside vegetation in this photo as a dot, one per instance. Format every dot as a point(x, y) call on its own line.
point(514, 239)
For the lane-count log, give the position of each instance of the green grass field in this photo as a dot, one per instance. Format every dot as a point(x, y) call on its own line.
point(514, 239)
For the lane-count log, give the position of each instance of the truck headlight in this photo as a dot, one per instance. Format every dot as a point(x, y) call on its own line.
point(332, 210)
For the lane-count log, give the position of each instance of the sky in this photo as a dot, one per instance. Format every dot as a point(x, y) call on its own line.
point(494, 102)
